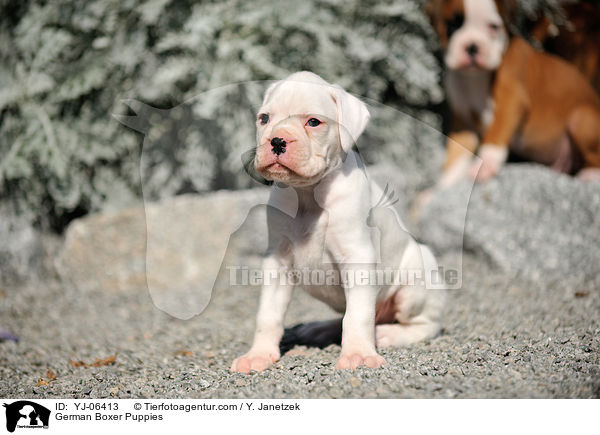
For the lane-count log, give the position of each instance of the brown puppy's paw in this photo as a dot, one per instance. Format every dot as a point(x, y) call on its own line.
point(483, 171)
point(353, 360)
point(254, 361)
point(492, 159)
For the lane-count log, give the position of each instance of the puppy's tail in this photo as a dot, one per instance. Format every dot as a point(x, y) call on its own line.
point(312, 334)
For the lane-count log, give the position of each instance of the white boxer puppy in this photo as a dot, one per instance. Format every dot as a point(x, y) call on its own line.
point(322, 217)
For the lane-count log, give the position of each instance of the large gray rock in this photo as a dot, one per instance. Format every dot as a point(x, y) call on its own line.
point(529, 221)
point(173, 248)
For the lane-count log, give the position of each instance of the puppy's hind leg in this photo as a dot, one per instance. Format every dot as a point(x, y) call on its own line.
point(584, 129)
point(395, 334)
point(418, 313)
point(418, 308)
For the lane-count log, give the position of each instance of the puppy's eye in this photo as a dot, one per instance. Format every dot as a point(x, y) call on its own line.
point(263, 118)
point(313, 122)
point(453, 24)
point(494, 27)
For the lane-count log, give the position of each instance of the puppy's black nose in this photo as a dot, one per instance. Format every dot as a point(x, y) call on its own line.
point(278, 145)
point(472, 50)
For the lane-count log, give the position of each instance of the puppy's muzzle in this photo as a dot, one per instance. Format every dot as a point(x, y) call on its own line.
point(278, 145)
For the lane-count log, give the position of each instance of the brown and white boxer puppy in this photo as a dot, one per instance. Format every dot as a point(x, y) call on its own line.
point(505, 94)
point(323, 220)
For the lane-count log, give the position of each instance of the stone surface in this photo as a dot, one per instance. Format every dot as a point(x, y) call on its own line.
point(528, 221)
point(173, 248)
point(105, 251)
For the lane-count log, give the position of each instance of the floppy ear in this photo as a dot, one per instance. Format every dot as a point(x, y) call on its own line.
point(352, 116)
point(508, 12)
point(431, 7)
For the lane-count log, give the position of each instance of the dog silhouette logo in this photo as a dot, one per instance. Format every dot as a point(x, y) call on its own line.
point(26, 414)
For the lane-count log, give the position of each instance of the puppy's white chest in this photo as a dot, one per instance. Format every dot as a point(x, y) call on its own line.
point(308, 240)
point(314, 264)
point(487, 116)
point(469, 95)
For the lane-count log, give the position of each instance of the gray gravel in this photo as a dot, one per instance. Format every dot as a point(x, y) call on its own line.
point(502, 339)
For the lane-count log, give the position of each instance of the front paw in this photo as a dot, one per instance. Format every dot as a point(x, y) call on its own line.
point(253, 360)
point(352, 360)
point(483, 171)
point(492, 159)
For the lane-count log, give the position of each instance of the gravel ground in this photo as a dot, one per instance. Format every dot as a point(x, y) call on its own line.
point(503, 339)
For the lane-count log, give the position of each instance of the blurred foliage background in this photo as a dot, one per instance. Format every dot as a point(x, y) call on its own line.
point(66, 67)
